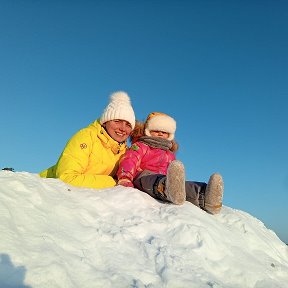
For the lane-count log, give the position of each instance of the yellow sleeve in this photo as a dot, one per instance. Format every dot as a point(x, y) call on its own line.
point(88, 181)
point(48, 173)
point(72, 166)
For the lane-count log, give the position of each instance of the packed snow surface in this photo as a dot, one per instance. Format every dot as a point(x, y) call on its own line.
point(56, 235)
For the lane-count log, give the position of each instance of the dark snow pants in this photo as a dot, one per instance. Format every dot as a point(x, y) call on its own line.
point(148, 182)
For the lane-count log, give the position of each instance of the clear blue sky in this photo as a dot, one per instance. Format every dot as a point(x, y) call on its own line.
point(220, 68)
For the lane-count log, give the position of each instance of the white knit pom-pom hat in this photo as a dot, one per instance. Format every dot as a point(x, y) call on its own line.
point(119, 107)
point(159, 121)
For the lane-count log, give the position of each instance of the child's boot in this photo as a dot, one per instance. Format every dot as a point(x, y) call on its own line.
point(173, 185)
point(214, 194)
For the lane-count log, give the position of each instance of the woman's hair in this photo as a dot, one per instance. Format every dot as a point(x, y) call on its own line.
point(139, 131)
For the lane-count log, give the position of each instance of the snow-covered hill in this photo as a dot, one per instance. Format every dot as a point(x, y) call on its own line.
point(56, 235)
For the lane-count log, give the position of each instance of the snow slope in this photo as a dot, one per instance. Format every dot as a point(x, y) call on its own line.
point(56, 235)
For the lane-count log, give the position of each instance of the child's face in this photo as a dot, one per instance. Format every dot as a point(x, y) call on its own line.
point(160, 134)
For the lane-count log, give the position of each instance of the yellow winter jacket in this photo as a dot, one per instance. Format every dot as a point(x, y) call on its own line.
point(89, 159)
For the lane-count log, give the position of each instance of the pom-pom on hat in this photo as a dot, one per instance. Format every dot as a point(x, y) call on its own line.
point(119, 107)
point(158, 121)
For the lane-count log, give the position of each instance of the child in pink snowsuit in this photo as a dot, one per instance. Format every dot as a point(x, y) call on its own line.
point(150, 165)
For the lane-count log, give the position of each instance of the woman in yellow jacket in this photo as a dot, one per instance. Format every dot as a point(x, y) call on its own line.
point(90, 158)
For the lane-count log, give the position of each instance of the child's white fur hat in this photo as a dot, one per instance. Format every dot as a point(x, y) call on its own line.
point(158, 121)
point(119, 107)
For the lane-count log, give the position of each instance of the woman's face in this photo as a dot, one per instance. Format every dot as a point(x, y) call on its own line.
point(118, 129)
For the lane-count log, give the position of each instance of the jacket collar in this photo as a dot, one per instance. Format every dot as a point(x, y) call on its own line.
point(107, 141)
